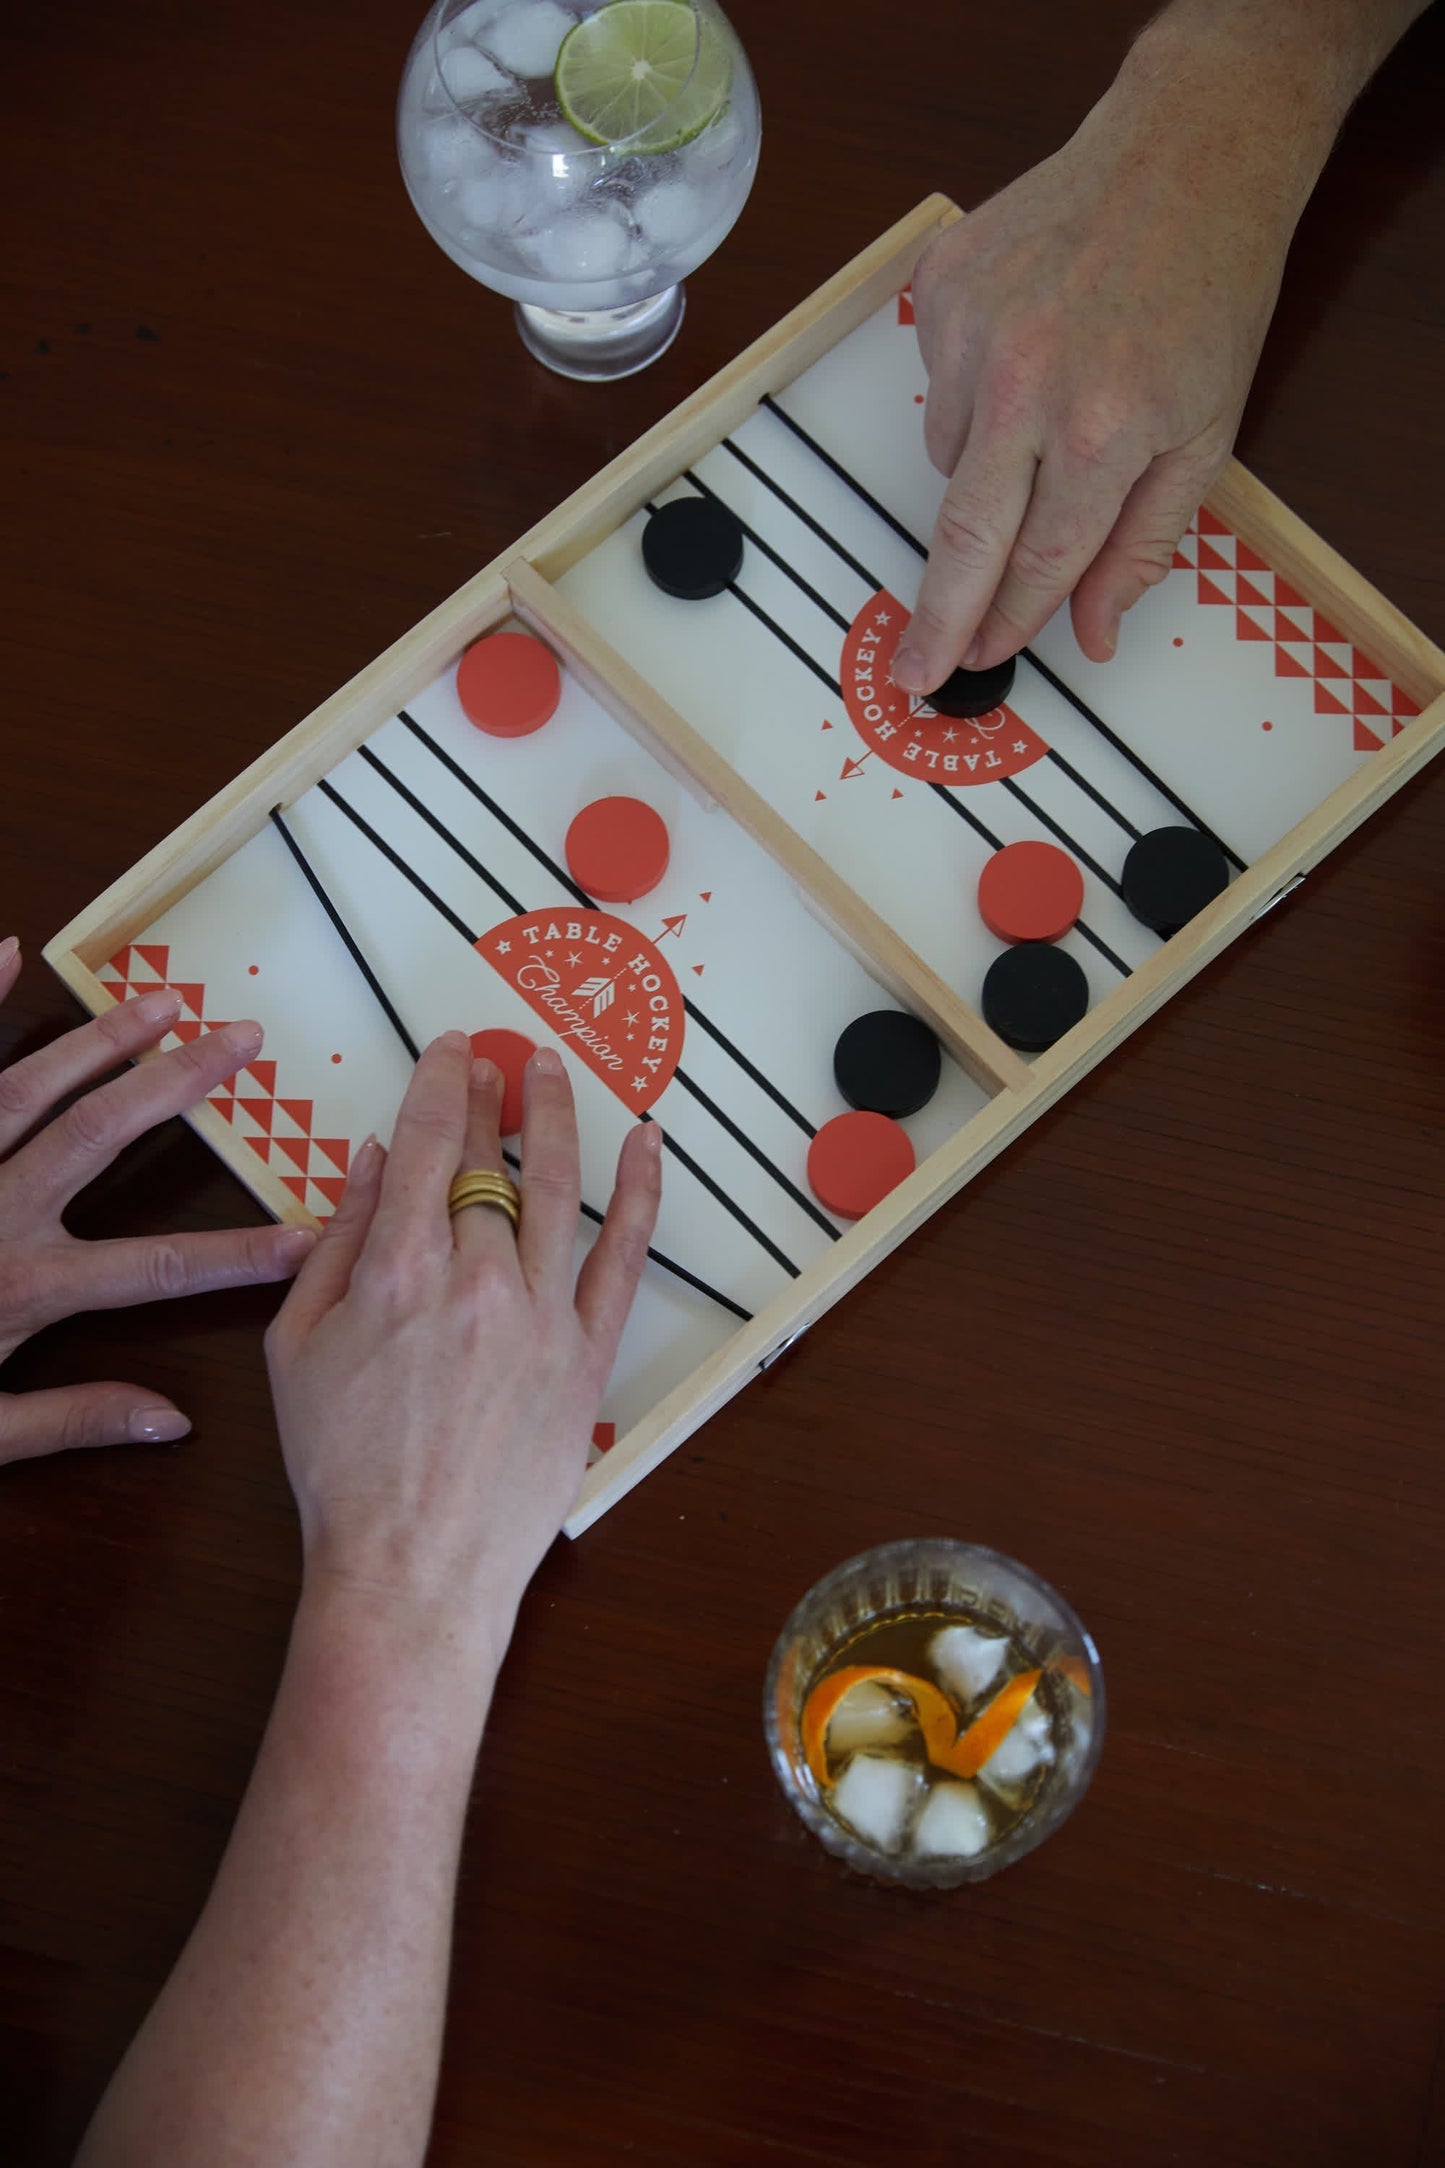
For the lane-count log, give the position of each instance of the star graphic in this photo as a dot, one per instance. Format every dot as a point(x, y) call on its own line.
point(882, 618)
point(639, 1083)
point(1020, 746)
point(574, 959)
point(504, 948)
point(549, 952)
point(949, 735)
point(631, 1019)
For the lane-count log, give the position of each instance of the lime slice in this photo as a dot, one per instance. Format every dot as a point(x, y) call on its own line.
point(647, 69)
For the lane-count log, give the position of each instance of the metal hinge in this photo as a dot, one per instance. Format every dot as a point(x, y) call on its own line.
point(780, 1350)
point(1278, 897)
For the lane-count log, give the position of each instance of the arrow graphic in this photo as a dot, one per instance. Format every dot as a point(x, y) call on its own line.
point(854, 767)
point(674, 925)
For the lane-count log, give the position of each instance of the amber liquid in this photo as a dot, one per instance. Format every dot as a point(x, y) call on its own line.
point(902, 1640)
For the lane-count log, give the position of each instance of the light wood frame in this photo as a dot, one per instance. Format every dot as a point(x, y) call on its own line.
point(520, 584)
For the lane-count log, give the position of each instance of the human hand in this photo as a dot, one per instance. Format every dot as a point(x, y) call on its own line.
point(437, 1380)
point(1090, 336)
point(45, 1273)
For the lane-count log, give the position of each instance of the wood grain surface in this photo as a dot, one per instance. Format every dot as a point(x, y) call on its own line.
point(1180, 1350)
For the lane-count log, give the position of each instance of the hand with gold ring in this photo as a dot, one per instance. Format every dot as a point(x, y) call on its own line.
point(439, 1364)
point(437, 1373)
point(480, 1186)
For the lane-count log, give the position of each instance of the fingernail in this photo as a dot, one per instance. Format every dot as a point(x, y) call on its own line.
point(546, 1061)
point(1111, 642)
point(970, 660)
point(159, 1008)
point(455, 1042)
point(294, 1245)
point(8, 947)
point(483, 1072)
point(368, 1155)
point(243, 1039)
point(908, 672)
point(652, 1138)
point(158, 1426)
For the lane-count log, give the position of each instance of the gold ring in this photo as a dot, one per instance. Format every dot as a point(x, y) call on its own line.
point(480, 1185)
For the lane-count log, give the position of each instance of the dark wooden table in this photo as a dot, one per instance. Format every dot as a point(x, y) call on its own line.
point(1180, 1350)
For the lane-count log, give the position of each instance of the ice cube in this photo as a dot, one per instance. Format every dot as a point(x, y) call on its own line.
point(582, 247)
point(451, 149)
point(1027, 1747)
point(560, 162)
point(874, 1796)
point(715, 148)
point(469, 75)
point(966, 1661)
point(868, 1715)
point(954, 1823)
point(493, 198)
point(670, 215)
point(525, 38)
point(471, 22)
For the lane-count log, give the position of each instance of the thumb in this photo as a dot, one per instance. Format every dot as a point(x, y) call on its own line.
point(72, 1415)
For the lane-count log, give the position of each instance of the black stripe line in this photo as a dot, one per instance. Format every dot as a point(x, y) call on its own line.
point(1056, 828)
point(728, 1203)
point(958, 806)
point(820, 601)
point(749, 1069)
point(755, 1151)
point(1066, 692)
point(513, 828)
point(1127, 752)
point(328, 790)
point(774, 627)
point(588, 1211)
point(445, 833)
point(581, 896)
point(804, 1203)
point(668, 1264)
point(1097, 795)
point(1096, 941)
point(842, 473)
point(966, 813)
point(345, 932)
point(846, 556)
point(787, 639)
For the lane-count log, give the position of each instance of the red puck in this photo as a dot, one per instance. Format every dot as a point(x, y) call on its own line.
point(617, 849)
point(855, 1160)
point(1030, 892)
point(509, 684)
point(511, 1051)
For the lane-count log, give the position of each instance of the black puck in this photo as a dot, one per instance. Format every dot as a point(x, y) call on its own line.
point(692, 548)
point(1033, 994)
point(965, 693)
point(887, 1063)
point(1170, 874)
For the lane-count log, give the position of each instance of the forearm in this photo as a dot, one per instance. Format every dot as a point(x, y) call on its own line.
point(303, 2020)
point(1257, 87)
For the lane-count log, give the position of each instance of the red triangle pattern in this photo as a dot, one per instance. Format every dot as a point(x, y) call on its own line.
point(140, 967)
point(1266, 607)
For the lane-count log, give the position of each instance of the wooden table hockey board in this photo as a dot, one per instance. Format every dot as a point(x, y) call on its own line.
point(825, 844)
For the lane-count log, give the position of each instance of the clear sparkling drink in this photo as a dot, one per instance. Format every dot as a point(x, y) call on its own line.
point(518, 188)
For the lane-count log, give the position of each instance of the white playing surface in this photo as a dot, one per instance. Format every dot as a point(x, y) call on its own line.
point(1236, 696)
point(771, 980)
point(1243, 746)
